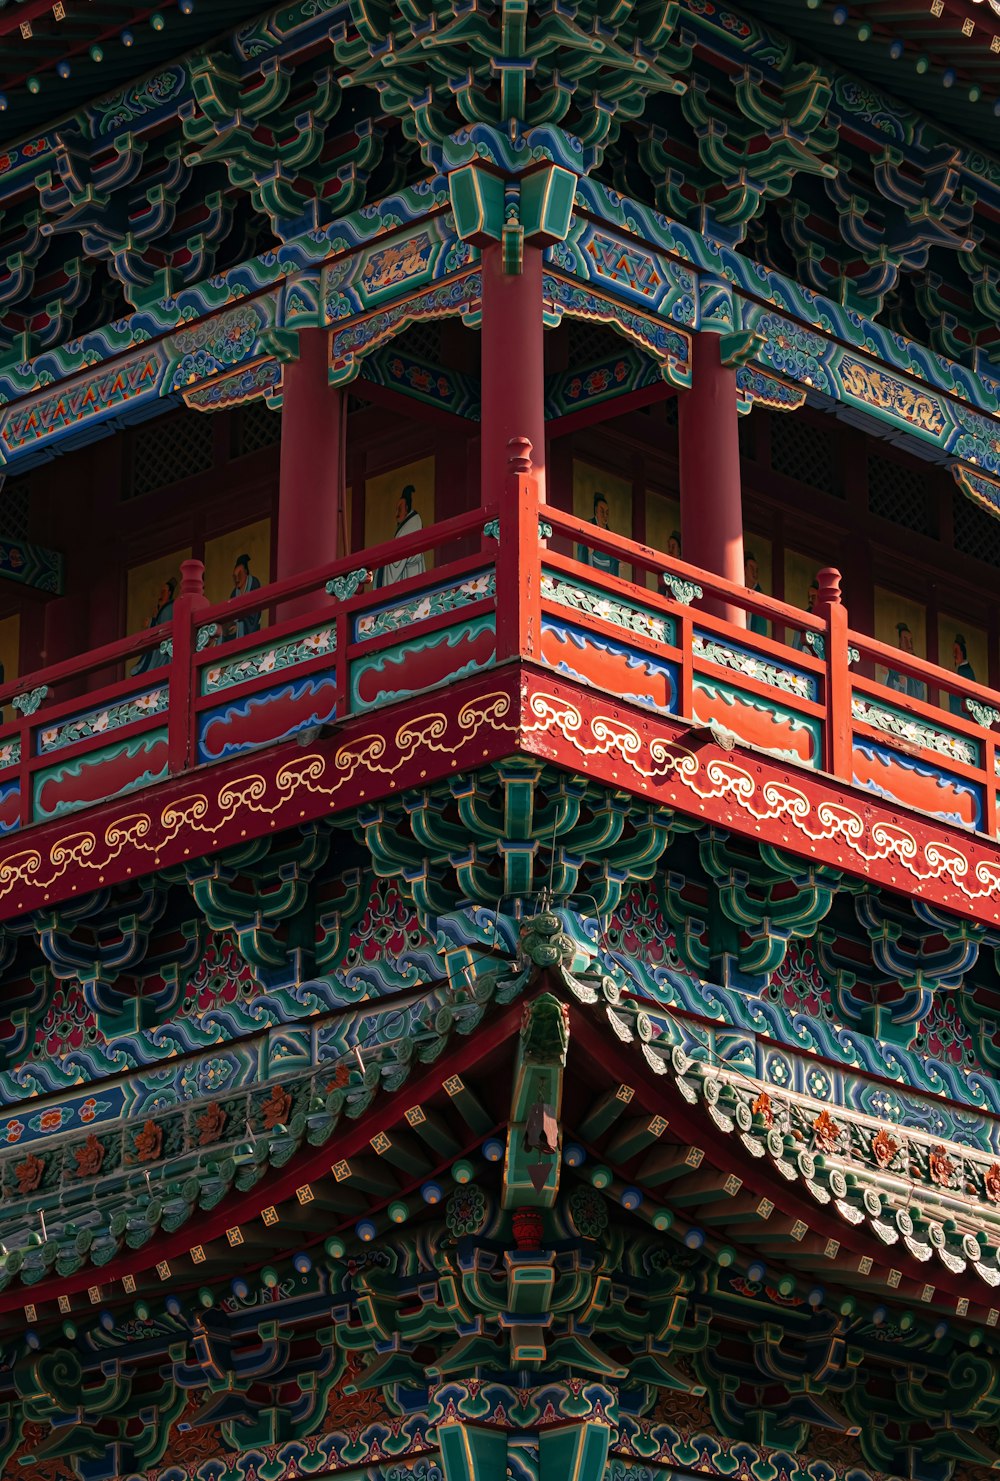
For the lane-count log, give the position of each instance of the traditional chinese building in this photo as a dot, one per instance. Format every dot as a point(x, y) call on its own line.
point(499, 855)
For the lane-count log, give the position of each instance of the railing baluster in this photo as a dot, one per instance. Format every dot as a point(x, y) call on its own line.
point(519, 562)
point(990, 785)
point(181, 710)
point(838, 724)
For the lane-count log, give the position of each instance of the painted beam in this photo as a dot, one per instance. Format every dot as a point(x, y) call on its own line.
point(31, 565)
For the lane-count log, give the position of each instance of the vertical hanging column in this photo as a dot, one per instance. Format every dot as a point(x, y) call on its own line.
point(513, 371)
point(311, 490)
point(513, 416)
point(711, 496)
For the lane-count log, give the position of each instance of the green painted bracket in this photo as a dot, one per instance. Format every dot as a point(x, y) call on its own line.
point(470, 1454)
point(31, 565)
point(282, 343)
point(542, 211)
point(577, 1452)
point(477, 197)
point(739, 347)
point(531, 1175)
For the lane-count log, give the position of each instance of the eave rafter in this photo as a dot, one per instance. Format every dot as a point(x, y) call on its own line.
point(712, 1169)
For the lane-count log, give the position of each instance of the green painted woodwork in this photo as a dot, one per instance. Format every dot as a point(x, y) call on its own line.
point(586, 70)
point(472, 1454)
point(531, 1171)
point(575, 1453)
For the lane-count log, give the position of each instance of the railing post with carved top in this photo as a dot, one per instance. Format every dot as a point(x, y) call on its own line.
point(189, 602)
point(838, 726)
point(519, 564)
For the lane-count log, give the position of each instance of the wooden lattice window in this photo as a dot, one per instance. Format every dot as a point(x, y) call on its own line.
point(898, 492)
point(803, 450)
point(170, 448)
point(588, 343)
point(423, 341)
point(976, 532)
point(258, 427)
point(15, 503)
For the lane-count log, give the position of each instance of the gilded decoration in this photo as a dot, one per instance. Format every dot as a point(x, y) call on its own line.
point(900, 399)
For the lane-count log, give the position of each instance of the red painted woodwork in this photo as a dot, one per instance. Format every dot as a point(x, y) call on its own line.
point(837, 748)
point(711, 493)
point(190, 602)
point(518, 568)
point(588, 633)
point(513, 361)
point(311, 509)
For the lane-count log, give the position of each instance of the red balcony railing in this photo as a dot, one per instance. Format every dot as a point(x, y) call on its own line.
point(514, 581)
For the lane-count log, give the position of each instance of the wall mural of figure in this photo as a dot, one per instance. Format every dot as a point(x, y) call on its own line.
point(397, 504)
point(963, 668)
point(901, 622)
point(605, 500)
point(751, 578)
point(154, 658)
point(408, 522)
point(663, 520)
point(242, 583)
point(599, 559)
point(812, 597)
point(224, 572)
point(905, 683)
point(144, 590)
point(965, 648)
point(10, 648)
point(801, 589)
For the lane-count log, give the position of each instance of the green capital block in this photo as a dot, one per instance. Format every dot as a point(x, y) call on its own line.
point(547, 198)
point(575, 1453)
point(477, 202)
point(471, 1454)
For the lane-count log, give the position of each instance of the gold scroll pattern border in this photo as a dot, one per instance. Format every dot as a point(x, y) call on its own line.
point(199, 814)
point(658, 759)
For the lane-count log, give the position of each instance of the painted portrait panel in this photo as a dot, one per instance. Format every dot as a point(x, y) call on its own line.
point(384, 495)
point(900, 622)
point(663, 529)
point(758, 566)
point(145, 583)
point(963, 649)
point(221, 554)
point(801, 573)
point(591, 486)
point(10, 648)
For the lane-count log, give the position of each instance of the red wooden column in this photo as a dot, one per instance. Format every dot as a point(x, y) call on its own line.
point(711, 496)
point(837, 730)
point(311, 488)
point(513, 441)
point(513, 368)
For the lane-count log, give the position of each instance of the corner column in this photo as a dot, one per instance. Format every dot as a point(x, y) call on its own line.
point(711, 494)
point(512, 477)
point(311, 487)
point(512, 352)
